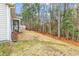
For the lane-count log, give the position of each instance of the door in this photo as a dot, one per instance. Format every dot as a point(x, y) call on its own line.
point(16, 25)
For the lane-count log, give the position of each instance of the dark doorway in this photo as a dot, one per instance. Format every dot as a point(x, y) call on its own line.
point(16, 25)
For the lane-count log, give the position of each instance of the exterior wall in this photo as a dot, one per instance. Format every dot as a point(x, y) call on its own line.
point(9, 21)
point(13, 15)
point(5, 28)
point(13, 12)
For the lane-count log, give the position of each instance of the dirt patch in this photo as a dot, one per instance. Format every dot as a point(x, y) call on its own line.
point(42, 48)
point(70, 41)
point(37, 44)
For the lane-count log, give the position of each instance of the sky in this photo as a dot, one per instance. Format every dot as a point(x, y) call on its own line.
point(18, 8)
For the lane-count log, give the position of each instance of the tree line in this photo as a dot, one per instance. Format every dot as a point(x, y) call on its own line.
point(60, 19)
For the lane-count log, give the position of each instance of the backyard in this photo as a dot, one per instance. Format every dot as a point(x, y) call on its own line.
point(43, 29)
point(32, 43)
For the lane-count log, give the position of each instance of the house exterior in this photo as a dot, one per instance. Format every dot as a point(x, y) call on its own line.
point(6, 18)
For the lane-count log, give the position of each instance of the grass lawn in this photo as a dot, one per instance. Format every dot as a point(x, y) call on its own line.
point(36, 48)
point(5, 49)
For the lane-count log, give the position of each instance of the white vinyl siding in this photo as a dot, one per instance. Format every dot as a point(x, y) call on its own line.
point(4, 21)
point(8, 23)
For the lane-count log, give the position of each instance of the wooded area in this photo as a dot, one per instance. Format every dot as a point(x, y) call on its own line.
point(60, 19)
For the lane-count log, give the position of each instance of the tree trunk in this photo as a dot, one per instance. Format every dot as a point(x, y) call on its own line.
point(59, 22)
